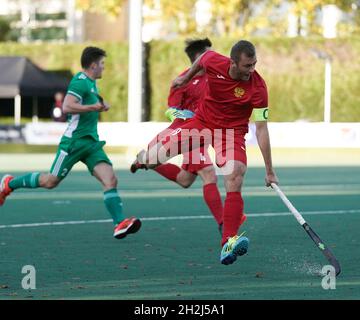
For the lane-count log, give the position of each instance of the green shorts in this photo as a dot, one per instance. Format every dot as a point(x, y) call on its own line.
point(71, 151)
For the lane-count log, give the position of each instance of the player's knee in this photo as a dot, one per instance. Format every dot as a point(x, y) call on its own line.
point(234, 180)
point(51, 182)
point(185, 179)
point(208, 175)
point(111, 182)
point(233, 183)
point(186, 184)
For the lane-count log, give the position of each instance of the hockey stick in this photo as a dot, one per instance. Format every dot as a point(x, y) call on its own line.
point(319, 243)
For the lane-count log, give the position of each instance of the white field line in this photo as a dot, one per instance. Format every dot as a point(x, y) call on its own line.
point(193, 192)
point(250, 215)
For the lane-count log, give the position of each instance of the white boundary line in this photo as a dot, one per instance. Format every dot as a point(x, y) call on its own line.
point(250, 215)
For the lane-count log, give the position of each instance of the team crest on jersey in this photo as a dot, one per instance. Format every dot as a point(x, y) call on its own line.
point(239, 92)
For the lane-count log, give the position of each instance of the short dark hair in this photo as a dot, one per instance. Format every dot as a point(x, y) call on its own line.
point(240, 47)
point(90, 55)
point(196, 46)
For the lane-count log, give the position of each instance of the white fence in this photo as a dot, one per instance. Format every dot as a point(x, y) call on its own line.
point(283, 135)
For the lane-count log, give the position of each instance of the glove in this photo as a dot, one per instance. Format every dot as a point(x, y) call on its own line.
point(173, 113)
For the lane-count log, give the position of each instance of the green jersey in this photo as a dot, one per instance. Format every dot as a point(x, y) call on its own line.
point(83, 124)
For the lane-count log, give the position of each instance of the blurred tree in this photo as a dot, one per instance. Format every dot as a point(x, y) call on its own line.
point(353, 8)
point(305, 10)
point(179, 15)
point(4, 29)
point(111, 8)
point(231, 17)
point(308, 9)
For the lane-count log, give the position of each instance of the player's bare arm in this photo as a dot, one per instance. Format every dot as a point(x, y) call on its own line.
point(195, 68)
point(72, 104)
point(262, 136)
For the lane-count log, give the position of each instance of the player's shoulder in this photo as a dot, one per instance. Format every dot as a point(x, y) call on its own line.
point(200, 77)
point(80, 81)
point(183, 72)
point(215, 62)
point(81, 76)
point(258, 79)
point(211, 54)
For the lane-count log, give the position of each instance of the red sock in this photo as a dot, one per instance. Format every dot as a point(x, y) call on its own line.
point(233, 215)
point(168, 170)
point(213, 200)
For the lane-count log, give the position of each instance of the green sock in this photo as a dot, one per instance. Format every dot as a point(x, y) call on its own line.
point(114, 205)
point(30, 180)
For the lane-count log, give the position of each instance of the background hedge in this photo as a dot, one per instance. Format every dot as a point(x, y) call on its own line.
point(295, 77)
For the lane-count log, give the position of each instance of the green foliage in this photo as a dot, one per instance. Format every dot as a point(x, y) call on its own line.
point(48, 34)
point(4, 29)
point(111, 8)
point(50, 16)
point(178, 15)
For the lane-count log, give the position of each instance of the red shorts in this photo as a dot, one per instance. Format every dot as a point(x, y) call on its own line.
point(197, 160)
point(193, 161)
point(193, 134)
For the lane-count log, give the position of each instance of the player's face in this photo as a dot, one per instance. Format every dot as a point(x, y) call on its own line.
point(244, 68)
point(98, 68)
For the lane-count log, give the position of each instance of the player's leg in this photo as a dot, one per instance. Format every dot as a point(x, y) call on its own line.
point(168, 170)
point(198, 162)
point(185, 178)
point(171, 171)
point(170, 146)
point(153, 157)
point(156, 144)
point(231, 157)
point(105, 174)
point(234, 204)
point(60, 168)
point(211, 193)
point(233, 245)
point(10, 183)
point(174, 173)
point(100, 166)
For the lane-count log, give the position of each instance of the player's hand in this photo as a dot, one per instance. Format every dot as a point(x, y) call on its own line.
point(98, 106)
point(106, 106)
point(173, 113)
point(271, 178)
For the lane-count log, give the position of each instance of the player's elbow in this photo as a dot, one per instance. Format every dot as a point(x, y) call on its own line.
point(261, 128)
point(66, 108)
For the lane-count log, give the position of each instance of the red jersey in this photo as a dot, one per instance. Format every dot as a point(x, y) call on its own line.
point(190, 95)
point(229, 103)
